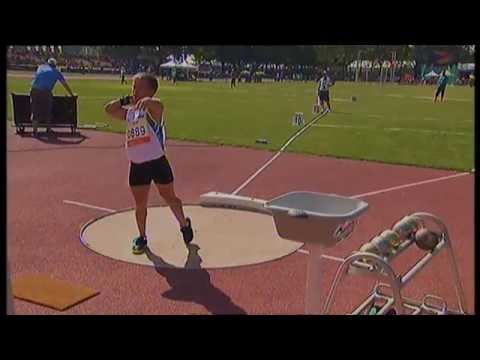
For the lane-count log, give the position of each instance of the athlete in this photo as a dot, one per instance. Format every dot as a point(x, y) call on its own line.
point(442, 84)
point(122, 76)
point(324, 85)
point(145, 146)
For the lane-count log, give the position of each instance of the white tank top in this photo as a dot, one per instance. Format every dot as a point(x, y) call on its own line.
point(145, 138)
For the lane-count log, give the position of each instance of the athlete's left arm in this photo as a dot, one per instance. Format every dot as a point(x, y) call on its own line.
point(154, 107)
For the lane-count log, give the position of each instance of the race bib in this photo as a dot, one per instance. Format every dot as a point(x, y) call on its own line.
point(138, 130)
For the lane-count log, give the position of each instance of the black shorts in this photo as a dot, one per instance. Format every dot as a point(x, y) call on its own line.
point(41, 105)
point(440, 90)
point(158, 170)
point(324, 95)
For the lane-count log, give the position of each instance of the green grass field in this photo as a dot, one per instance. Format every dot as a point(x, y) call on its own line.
point(394, 124)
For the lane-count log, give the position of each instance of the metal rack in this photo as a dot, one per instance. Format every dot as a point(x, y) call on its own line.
point(378, 267)
point(325, 220)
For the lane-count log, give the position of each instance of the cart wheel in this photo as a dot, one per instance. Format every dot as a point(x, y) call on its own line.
point(392, 311)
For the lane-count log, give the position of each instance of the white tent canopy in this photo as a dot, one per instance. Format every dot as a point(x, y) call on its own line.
point(431, 74)
point(168, 65)
point(467, 66)
point(183, 65)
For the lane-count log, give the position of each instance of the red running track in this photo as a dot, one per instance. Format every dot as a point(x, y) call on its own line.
point(43, 231)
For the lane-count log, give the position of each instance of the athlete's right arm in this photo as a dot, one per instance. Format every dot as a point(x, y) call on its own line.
point(115, 109)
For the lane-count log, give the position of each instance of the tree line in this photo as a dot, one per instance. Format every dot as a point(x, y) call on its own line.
point(311, 55)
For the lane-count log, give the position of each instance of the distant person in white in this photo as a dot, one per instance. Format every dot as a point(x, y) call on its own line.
point(324, 84)
point(122, 75)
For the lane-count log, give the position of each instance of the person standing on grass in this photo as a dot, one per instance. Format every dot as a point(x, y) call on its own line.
point(233, 79)
point(174, 75)
point(442, 84)
point(41, 97)
point(122, 75)
point(323, 95)
point(145, 145)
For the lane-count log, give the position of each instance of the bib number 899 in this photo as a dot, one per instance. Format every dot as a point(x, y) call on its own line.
point(137, 132)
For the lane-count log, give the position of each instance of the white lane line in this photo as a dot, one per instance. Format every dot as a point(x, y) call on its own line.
point(409, 185)
point(342, 100)
point(423, 97)
point(274, 157)
point(446, 99)
point(344, 126)
point(429, 98)
point(459, 133)
point(437, 120)
point(334, 258)
point(237, 190)
point(427, 131)
point(88, 206)
point(455, 99)
point(329, 257)
point(377, 116)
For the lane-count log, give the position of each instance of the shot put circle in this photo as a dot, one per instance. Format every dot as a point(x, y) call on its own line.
point(223, 238)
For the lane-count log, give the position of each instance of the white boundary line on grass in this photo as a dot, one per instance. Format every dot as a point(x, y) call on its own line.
point(272, 159)
point(447, 99)
point(88, 206)
point(457, 133)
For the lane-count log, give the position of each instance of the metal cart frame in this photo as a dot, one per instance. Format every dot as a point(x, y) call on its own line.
point(64, 108)
point(380, 269)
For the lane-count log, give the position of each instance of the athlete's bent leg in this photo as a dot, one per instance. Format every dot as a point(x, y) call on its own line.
point(167, 192)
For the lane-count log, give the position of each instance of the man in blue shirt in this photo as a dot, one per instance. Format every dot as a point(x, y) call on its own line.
point(442, 84)
point(41, 96)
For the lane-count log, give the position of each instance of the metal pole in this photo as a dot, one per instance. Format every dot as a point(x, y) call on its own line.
point(453, 263)
point(394, 65)
point(381, 73)
point(313, 291)
point(420, 264)
point(358, 66)
point(391, 68)
point(462, 304)
point(393, 281)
